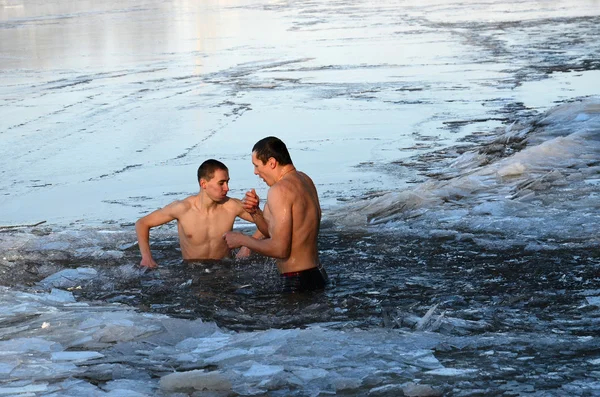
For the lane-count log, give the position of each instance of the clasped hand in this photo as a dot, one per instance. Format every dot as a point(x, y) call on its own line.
point(233, 239)
point(251, 202)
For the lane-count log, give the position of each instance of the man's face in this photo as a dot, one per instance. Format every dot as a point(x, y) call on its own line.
point(262, 170)
point(218, 186)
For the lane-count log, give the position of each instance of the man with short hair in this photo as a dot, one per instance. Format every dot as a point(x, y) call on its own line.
point(201, 219)
point(291, 220)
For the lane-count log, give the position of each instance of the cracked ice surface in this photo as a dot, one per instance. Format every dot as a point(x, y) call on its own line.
point(52, 339)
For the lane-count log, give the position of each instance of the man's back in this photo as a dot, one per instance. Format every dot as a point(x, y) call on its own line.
point(299, 195)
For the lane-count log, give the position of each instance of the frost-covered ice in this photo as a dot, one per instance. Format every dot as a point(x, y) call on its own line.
point(52, 340)
point(533, 184)
point(61, 348)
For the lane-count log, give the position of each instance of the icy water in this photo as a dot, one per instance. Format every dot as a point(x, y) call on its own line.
point(455, 147)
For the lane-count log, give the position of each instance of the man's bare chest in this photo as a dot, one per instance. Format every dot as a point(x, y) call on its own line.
point(197, 227)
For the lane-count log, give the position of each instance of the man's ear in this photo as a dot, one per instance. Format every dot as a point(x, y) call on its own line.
point(202, 183)
point(272, 162)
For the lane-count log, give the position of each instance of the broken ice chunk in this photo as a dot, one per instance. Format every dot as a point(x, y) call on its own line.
point(309, 374)
point(197, 379)
point(23, 345)
point(75, 356)
point(260, 370)
point(123, 387)
point(23, 390)
point(68, 278)
point(450, 371)
point(60, 296)
point(593, 300)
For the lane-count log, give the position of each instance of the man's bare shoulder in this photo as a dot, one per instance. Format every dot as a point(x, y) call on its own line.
point(283, 191)
point(305, 177)
point(179, 207)
point(294, 185)
point(189, 201)
point(232, 201)
point(234, 205)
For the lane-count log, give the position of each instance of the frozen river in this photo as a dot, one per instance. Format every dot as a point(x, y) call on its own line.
point(455, 147)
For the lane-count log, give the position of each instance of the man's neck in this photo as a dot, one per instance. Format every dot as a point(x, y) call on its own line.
point(205, 203)
point(285, 170)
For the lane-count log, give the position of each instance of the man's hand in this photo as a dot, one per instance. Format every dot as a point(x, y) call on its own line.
point(148, 263)
point(243, 253)
point(234, 239)
point(251, 201)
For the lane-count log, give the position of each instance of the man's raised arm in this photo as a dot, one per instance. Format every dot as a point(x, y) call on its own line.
point(251, 205)
point(279, 242)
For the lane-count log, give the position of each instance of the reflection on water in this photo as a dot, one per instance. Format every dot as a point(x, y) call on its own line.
point(132, 91)
point(111, 34)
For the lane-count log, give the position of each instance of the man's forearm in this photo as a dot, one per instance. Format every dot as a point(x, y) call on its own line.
point(258, 235)
point(143, 236)
point(266, 247)
point(261, 223)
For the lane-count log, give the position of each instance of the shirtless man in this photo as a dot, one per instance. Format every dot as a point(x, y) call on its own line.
point(291, 220)
point(201, 219)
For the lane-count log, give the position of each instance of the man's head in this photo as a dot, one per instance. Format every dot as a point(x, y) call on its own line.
point(268, 156)
point(272, 147)
point(213, 177)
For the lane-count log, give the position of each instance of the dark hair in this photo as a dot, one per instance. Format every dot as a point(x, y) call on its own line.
point(207, 169)
point(272, 147)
